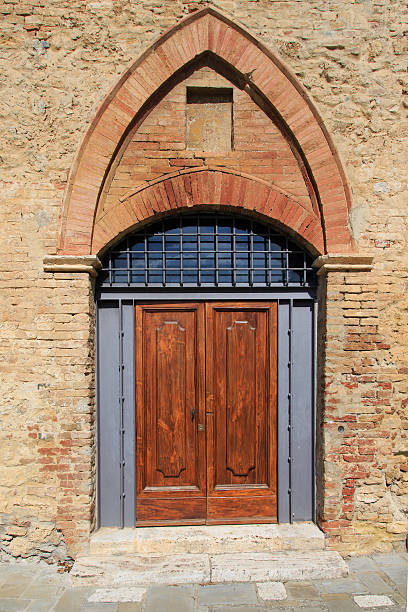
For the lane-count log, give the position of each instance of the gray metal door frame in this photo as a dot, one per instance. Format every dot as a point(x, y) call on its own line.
point(297, 326)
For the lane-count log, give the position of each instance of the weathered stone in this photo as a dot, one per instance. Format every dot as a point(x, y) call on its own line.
point(276, 567)
point(212, 539)
point(51, 85)
point(139, 569)
point(272, 591)
point(123, 594)
point(373, 601)
point(173, 599)
point(216, 594)
point(342, 585)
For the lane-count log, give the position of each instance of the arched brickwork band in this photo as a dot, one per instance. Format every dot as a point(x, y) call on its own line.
point(203, 187)
point(206, 31)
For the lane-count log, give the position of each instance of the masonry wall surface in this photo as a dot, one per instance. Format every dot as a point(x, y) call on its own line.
point(58, 62)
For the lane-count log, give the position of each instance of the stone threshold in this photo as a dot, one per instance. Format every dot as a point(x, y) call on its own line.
point(207, 539)
point(207, 554)
point(137, 569)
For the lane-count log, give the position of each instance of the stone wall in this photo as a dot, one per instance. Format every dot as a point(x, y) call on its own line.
point(363, 484)
point(58, 62)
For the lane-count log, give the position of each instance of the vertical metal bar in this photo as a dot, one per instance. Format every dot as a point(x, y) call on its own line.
point(145, 258)
point(199, 250)
point(181, 251)
point(163, 255)
point(98, 424)
point(286, 262)
point(290, 458)
point(121, 418)
point(314, 402)
point(110, 268)
point(251, 255)
point(128, 260)
point(234, 265)
point(216, 251)
point(269, 258)
point(304, 268)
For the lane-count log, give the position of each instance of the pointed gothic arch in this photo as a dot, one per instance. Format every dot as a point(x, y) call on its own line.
point(210, 187)
point(265, 78)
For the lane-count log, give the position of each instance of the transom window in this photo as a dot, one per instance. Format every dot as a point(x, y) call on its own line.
point(207, 250)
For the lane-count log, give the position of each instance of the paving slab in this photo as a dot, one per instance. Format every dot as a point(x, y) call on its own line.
point(42, 591)
point(396, 574)
point(234, 596)
point(123, 594)
point(373, 601)
point(341, 585)
point(13, 605)
point(73, 599)
point(375, 583)
point(340, 604)
point(245, 608)
point(213, 594)
point(362, 564)
point(271, 591)
point(15, 586)
point(100, 607)
point(42, 605)
point(302, 591)
point(170, 599)
point(390, 559)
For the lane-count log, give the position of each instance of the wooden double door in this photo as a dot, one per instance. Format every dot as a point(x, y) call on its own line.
point(206, 418)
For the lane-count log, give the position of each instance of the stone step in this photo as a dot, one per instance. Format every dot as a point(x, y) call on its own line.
point(211, 539)
point(137, 569)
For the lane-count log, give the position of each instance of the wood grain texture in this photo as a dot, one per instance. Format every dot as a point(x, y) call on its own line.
point(206, 454)
point(241, 345)
point(170, 450)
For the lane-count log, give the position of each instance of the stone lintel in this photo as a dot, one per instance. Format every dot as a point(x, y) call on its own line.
point(89, 264)
point(338, 262)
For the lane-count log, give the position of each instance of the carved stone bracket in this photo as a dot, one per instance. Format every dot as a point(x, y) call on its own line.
point(89, 264)
point(336, 262)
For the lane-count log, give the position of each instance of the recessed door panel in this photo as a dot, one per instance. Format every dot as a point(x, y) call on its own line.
point(206, 451)
point(170, 401)
point(241, 411)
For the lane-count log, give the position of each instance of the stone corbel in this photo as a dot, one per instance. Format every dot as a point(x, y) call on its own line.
point(336, 262)
point(89, 264)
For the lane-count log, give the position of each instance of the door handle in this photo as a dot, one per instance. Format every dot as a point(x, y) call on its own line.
point(193, 414)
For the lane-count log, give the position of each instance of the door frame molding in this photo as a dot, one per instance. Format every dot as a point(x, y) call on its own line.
point(122, 495)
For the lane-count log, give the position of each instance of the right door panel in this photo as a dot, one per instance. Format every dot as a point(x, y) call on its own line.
point(241, 417)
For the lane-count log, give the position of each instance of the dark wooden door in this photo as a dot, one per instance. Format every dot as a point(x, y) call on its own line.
point(206, 413)
point(241, 412)
point(170, 449)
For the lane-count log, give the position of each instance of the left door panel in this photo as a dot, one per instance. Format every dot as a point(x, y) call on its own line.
point(170, 446)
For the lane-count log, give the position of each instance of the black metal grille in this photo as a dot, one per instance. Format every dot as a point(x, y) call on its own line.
point(207, 250)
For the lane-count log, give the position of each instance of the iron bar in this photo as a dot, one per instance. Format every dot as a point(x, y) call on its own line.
point(163, 259)
point(290, 391)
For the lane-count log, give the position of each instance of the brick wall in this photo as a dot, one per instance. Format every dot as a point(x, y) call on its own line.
point(58, 62)
point(363, 420)
point(159, 146)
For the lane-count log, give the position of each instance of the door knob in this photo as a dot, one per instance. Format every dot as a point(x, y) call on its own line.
point(193, 414)
point(200, 427)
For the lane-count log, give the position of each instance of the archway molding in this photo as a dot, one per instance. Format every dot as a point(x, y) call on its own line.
point(206, 31)
point(211, 187)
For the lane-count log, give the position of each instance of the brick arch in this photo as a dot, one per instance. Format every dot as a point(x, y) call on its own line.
point(205, 31)
point(208, 186)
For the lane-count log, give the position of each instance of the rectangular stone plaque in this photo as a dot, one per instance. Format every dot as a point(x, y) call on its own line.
point(209, 119)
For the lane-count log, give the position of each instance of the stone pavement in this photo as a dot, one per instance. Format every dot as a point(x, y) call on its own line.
point(377, 583)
